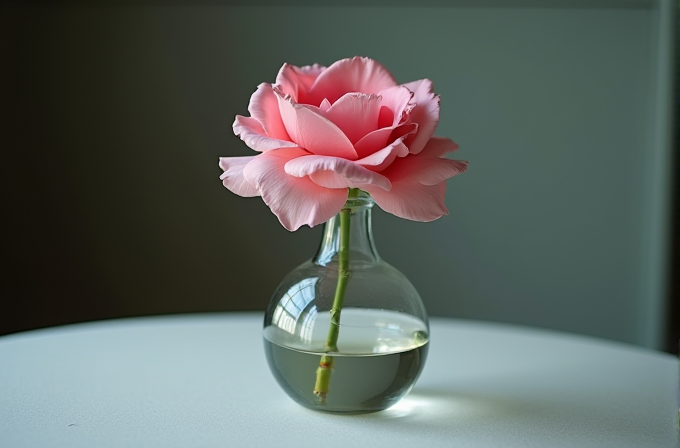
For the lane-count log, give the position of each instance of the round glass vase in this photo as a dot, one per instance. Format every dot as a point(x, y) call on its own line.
point(346, 332)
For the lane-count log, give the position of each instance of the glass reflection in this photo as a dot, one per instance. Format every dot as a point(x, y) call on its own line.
point(293, 313)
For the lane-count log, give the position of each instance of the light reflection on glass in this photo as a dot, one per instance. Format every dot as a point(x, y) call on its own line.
point(307, 324)
point(404, 407)
point(444, 407)
point(329, 243)
point(292, 310)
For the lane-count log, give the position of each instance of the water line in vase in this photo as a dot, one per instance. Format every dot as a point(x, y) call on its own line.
point(323, 373)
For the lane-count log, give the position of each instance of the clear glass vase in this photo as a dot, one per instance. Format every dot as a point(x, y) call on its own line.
point(368, 355)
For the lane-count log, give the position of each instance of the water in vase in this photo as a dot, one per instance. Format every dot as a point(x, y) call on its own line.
point(380, 356)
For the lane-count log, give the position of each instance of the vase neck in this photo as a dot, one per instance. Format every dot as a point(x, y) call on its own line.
point(361, 246)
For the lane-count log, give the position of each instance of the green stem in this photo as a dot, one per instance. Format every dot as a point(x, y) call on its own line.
point(323, 373)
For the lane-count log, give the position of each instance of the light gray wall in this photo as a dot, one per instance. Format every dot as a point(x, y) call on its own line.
point(121, 113)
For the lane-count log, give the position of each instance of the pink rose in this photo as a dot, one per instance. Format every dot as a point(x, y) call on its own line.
point(320, 131)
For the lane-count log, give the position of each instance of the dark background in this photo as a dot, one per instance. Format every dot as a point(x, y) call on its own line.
point(112, 123)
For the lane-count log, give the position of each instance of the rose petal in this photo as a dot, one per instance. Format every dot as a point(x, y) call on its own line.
point(296, 81)
point(334, 172)
point(357, 74)
point(397, 99)
point(426, 114)
point(383, 158)
point(412, 200)
point(325, 105)
point(251, 132)
point(438, 170)
point(395, 109)
point(438, 146)
point(233, 179)
point(356, 114)
point(264, 107)
point(418, 182)
point(312, 131)
point(296, 201)
point(425, 169)
point(372, 141)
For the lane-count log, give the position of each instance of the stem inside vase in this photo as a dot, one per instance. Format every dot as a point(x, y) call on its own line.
point(323, 373)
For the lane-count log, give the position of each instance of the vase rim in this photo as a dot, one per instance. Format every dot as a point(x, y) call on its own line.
point(363, 199)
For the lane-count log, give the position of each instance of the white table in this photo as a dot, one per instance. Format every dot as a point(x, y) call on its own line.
point(202, 381)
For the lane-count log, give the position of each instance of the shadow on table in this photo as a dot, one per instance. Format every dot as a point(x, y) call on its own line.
point(466, 413)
